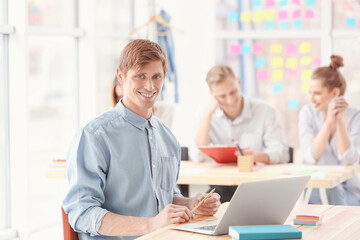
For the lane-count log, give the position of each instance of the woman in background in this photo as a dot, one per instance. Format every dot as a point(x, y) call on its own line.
point(329, 131)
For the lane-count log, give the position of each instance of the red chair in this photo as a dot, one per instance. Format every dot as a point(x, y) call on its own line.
point(69, 233)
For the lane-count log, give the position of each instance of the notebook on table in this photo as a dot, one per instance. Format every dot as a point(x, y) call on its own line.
point(266, 202)
point(221, 154)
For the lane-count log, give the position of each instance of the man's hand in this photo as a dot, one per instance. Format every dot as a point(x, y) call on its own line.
point(208, 207)
point(171, 214)
point(212, 106)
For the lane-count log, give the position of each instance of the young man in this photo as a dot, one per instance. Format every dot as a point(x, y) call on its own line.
point(230, 117)
point(124, 165)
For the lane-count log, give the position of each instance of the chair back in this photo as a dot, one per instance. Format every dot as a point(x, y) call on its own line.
point(69, 233)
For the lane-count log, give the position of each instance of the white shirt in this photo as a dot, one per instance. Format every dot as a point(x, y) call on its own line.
point(257, 127)
point(310, 123)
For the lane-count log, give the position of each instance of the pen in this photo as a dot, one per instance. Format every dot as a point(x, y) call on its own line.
point(206, 197)
point(238, 147)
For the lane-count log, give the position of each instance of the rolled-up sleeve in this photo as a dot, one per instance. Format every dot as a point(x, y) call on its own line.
point(87, 177)
point(352, 154)
point(307, 134)
point(275, 139)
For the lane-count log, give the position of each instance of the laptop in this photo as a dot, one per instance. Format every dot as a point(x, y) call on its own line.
point(255, 203)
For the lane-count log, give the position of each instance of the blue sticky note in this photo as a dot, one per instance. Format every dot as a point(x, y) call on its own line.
point(233, 16)
point(260, 63)
point(256, 3)
point(269, 24)
point(310, 3)
point(277, 88)
point(298, 23)
point(283, 24)
point(245, 49)
point(283, 3)
point(350, 22)
point(293, 104)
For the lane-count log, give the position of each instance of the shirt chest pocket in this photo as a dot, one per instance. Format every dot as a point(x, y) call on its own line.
point(169, 167)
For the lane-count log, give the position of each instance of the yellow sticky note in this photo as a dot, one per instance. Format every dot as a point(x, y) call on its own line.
point(245, 16)
point(269, 15)
point(258, 16)
point(306, 75)
point(276, 62)
point(277, 75)
point(305, 61)
point(305, 47)
point(276, 48)
point(291, 63)
point(305, 86)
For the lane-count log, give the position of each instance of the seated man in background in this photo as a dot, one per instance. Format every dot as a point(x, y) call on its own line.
point(124, 164)
point(231, 117)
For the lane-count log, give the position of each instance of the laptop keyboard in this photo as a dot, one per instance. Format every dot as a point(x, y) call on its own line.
point(209, 228)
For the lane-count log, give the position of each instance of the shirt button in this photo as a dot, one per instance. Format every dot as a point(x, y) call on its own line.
point(150, 138)
point(153, 165)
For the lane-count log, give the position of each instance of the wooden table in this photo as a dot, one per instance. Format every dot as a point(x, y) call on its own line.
point(322, 176)
point(339, 223)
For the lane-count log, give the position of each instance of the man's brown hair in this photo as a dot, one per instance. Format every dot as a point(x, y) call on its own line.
point(140, 52)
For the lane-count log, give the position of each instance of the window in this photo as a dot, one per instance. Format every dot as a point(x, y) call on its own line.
point(3, 168)
point(51, 124)
point(51, 13)
point(113, 22)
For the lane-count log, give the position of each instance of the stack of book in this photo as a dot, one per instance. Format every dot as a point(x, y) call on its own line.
point(312, 219)
point(261, 232)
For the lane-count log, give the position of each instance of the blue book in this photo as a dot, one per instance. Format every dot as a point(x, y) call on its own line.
point(261, 232)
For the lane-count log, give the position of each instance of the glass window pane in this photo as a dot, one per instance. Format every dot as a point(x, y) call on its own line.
point(351, 54)
point(51, 123)
point(113, 14)
point(3, 193)
point(346, 14)
point(269, 14)
point(107, 55)
point(51, 13)
point(275, 70)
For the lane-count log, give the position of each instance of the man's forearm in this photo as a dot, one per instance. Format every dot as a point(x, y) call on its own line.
point(202, 135)
point(120, 225)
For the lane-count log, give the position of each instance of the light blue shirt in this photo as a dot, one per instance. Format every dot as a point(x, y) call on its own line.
point(122, 163)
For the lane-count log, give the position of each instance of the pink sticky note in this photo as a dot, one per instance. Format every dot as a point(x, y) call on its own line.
point(297, 2)
point(257, 48)
point(262, 75)
point(270, 3)
point(235, 49)
point(296, 14)
point(283, 15)
point(309, 13)
point(317, 62)
point(349, 8)
point(291, 48)
point(292, 74)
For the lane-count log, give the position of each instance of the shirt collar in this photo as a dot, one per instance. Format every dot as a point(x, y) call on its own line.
point(134, 119)
point(245, 114)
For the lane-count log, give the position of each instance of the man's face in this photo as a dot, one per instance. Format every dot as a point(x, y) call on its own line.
point(142, 87)
point(228, 95)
